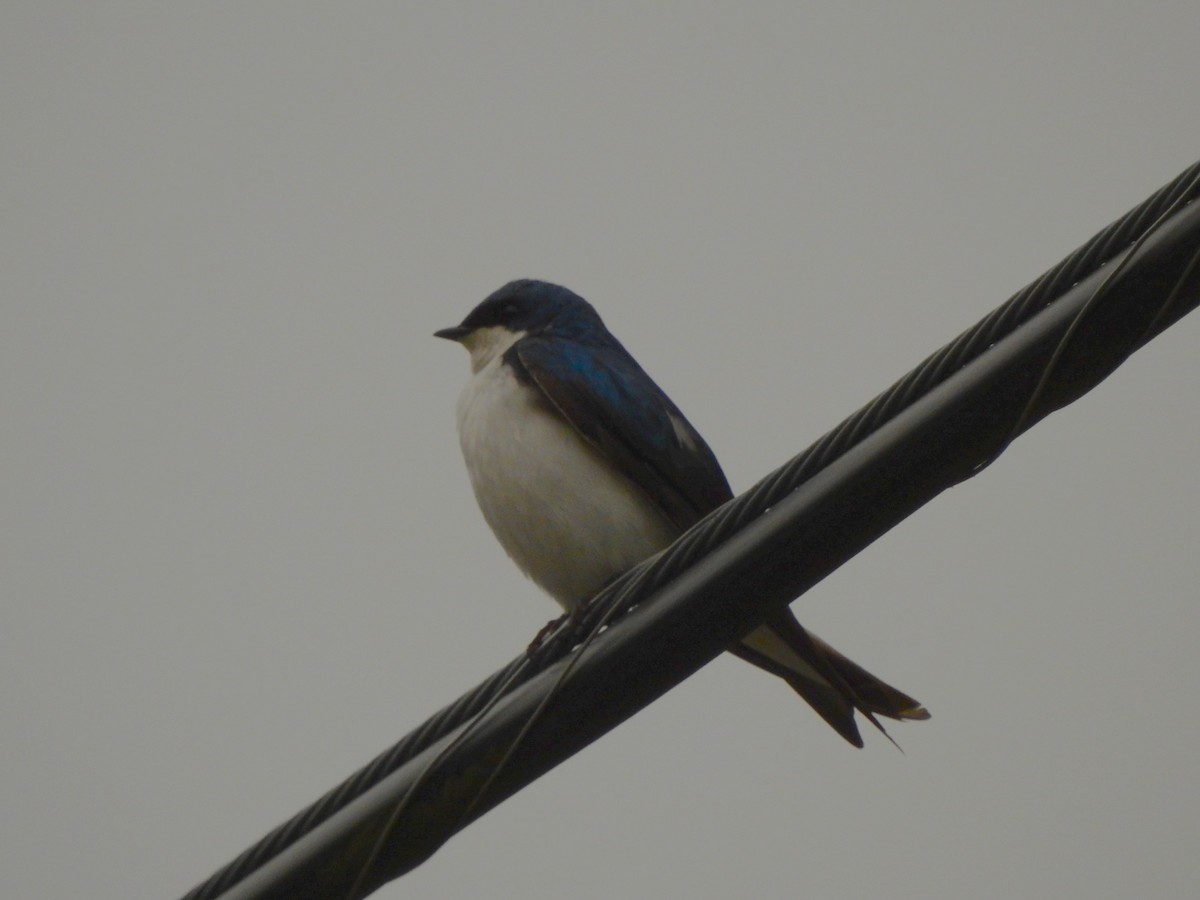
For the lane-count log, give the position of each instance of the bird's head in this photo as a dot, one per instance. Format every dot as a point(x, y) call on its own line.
point(521, 308)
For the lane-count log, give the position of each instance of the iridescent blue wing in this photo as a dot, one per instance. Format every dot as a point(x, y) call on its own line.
point(618, 409)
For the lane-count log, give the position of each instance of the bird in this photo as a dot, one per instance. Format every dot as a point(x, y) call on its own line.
point(583, 467)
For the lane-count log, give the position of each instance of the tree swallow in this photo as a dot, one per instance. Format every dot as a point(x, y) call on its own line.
point(583, 467)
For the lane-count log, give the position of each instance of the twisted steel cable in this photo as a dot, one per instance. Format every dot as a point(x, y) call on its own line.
point(645, 579)
point(642, 581)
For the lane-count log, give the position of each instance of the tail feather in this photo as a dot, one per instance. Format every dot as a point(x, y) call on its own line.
point(877, 695)
point(829, 682)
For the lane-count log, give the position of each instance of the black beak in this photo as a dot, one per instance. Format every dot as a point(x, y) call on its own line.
point(457, 333)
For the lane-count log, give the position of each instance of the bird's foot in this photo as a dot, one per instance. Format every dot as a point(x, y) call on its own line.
point(548, 629)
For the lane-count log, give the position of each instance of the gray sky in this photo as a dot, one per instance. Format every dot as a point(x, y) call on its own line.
point(240, 553)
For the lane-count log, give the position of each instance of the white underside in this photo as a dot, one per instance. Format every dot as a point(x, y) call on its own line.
point(565, 515)
point(569, 520)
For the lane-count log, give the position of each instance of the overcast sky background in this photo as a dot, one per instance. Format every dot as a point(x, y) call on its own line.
point(240, 552)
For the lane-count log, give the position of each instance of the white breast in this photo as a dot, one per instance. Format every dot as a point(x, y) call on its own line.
point(564, 514)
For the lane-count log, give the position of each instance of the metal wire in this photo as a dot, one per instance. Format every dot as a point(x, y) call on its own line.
point(638, 584)
point(1123, 234)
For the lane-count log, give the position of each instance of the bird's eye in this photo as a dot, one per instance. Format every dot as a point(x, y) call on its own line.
point(508, 310)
